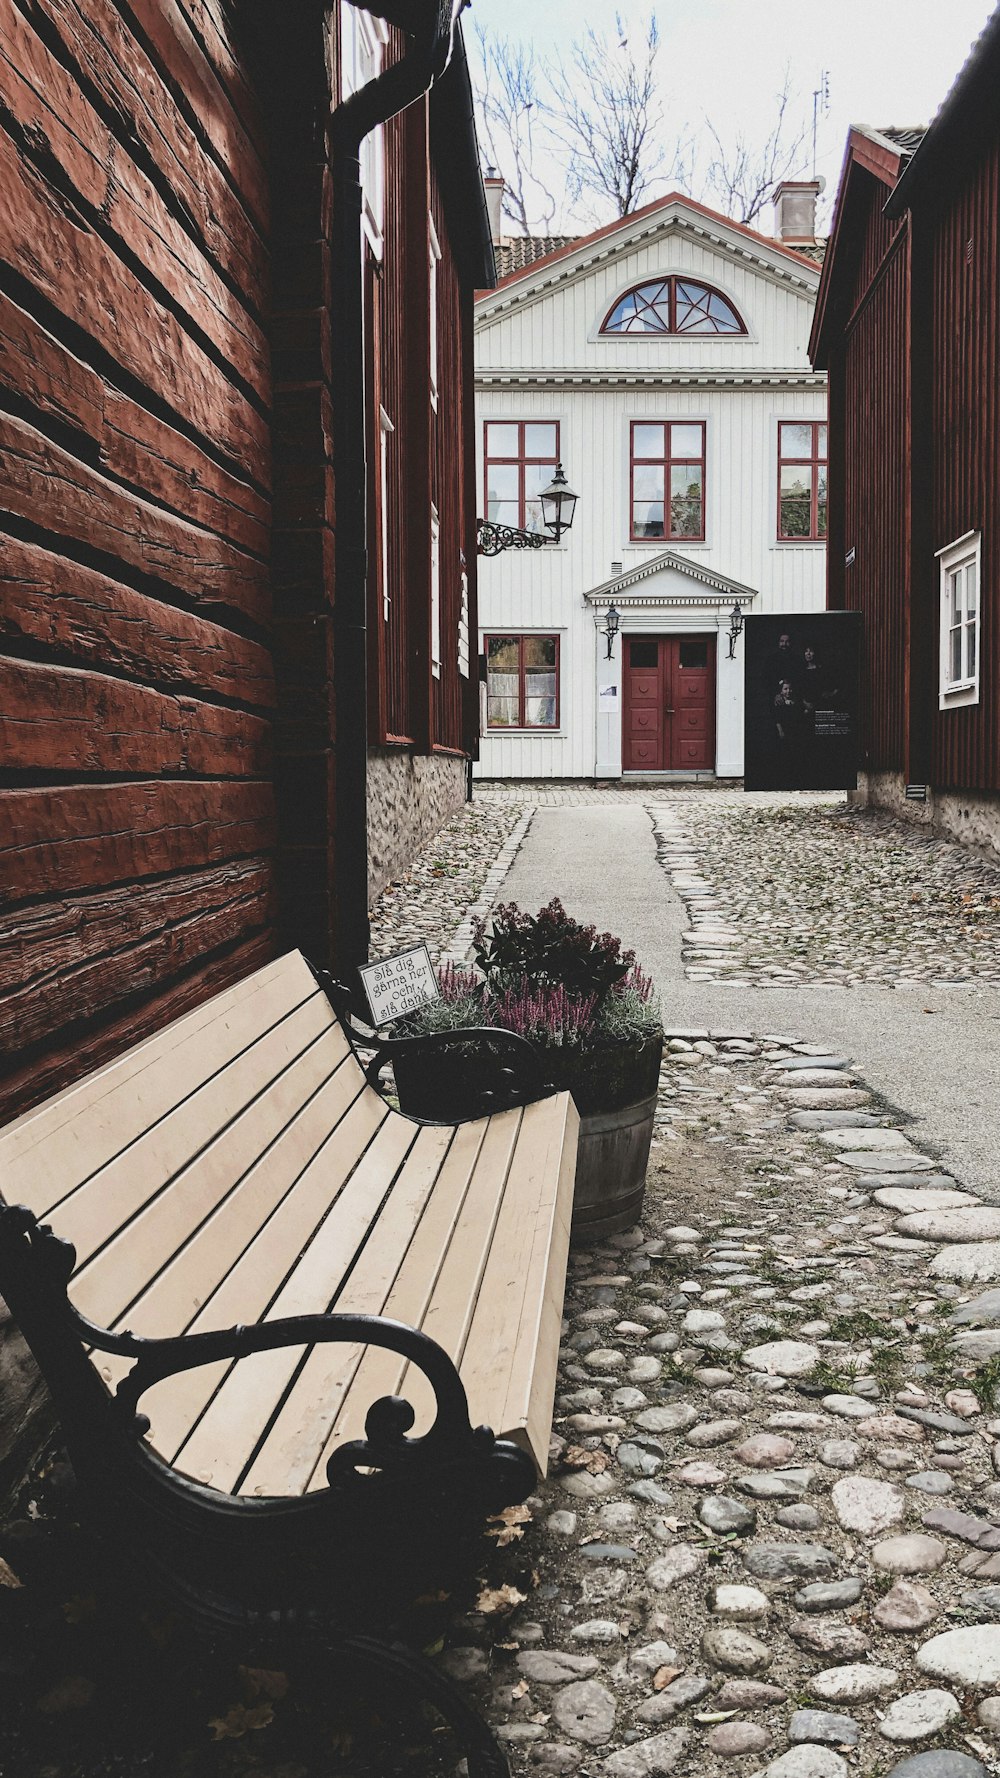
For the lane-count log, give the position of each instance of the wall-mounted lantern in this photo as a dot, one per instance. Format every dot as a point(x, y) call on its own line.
point(610, 627)
point(558, 503)
point(735, 629)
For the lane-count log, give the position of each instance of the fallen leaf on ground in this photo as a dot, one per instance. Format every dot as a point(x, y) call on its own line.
point(519, 1690)
point(540, 1717)
point(266, 1682)
point(663, 1676)
point(716, 1715)
point(578, 1457)
point(239, 1720)
point(493, 1599)
point(7, 1576)
point(506, 1526)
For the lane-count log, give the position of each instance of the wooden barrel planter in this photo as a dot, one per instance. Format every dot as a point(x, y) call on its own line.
point(614, 1089)
point(615, 1093)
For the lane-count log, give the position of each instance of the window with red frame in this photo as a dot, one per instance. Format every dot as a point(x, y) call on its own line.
point(522, 682)
point(802, 480)
point(667, 480)
point(521, 456)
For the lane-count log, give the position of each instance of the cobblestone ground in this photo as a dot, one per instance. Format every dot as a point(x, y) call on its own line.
point(796, 887)
point(447, 878)
point(770, 1541)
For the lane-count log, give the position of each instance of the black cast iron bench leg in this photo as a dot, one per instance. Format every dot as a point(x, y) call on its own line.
point(477, 1741)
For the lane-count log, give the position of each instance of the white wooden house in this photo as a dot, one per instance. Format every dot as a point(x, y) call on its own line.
point(663, 361)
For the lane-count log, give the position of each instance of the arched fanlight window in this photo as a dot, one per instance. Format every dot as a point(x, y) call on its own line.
point(673, 305)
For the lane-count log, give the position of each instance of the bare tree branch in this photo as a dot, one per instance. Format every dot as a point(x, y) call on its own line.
point(606, 117)
point(743, 176)
point(510, 109)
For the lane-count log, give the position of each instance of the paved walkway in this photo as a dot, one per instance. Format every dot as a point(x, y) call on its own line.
point(931, 1047)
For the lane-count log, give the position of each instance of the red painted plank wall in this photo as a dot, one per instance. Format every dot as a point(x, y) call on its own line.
point(870, 379)
point(136, 682)
point(965, 249)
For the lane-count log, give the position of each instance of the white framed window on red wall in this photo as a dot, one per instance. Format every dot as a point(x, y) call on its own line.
point(520, 457)
point(522, 682)
point(667, 481)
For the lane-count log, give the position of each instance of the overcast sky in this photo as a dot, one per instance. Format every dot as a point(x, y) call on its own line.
point(888, 61)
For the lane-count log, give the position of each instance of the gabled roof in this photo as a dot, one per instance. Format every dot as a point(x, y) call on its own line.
point(965, 121)
point(884, 154)
point(620, 584)
point(601, 242)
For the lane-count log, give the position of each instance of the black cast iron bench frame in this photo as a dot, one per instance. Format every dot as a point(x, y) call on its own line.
point(399, 1514)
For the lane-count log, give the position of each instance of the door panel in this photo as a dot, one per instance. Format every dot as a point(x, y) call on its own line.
point(668, 708)
point(642, 706)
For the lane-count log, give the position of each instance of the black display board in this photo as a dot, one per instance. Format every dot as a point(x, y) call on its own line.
point(802, 703)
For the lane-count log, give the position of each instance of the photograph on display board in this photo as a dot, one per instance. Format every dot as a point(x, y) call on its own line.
point(802, 702)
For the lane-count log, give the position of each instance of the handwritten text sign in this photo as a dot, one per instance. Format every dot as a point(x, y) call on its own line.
point(398, 985)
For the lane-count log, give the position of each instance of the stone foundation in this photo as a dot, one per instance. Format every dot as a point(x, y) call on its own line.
point(970, 816)
point(409, 797)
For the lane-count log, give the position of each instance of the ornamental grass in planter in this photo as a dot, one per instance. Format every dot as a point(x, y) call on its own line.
point(591, 1013)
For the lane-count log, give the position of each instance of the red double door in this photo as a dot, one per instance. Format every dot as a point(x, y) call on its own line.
point(668, 708)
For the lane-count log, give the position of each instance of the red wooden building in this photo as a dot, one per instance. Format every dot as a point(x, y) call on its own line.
point(908, 329)
point(236, 469)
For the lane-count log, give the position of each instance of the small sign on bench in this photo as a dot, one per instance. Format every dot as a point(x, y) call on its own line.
point(399, 984)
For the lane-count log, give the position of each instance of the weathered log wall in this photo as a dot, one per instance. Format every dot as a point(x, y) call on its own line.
point(136, 672)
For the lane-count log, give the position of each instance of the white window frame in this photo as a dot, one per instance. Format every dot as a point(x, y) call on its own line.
point(362, 39)
point(433, 256)
point(385, 427)
point(464, 661)
point(963, 558)
point(435, 593)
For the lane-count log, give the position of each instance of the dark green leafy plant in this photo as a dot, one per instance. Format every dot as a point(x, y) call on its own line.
point(548, 949)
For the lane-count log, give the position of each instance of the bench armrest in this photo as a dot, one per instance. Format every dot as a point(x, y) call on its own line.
point(513, 1072)
point(451, 1438)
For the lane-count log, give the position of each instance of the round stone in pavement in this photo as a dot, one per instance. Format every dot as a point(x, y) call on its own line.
point(942, 1762)
point(907, 1606)
point(651, 1758)
point(783, 1358)
point(855, 1684)
point(918, 1715)
point(720, 1513)
point(823, 1726)
point(806, 1762)
point(966, 1657)
point(911, 1554)
point(730, 1739)
point(734, 1650)
point(586, 1711)
point(863, 1504)
point(989, 1716)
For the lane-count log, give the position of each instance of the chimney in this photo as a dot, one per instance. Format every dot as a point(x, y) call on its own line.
point(494, 185)
point(795, 210)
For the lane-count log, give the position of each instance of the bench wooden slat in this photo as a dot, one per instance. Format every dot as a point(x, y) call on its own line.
point(106, 1202)
point(534, 1347)
point(161, 1267)
point(381, 1372)
point(47, 1152)
point(451, 1305)
point(248, 1290)
point(288, 1456)
point(226, 1438)
point(505, 1289)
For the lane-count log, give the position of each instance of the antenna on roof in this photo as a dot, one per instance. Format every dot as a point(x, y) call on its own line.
point(821, 102)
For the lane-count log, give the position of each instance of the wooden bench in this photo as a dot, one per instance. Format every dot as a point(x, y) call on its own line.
point(324, 1306)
